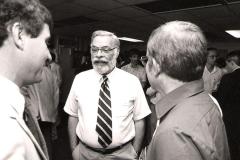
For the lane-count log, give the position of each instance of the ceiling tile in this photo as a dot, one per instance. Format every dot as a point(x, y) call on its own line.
point(102, 17)
point(100, 4)
point(50, 3)
point(235, 8)
point(150, 20)
point(211, 12)
point(127, 12)
point(226, 23)
point(123, 24)
point(132, 2)
point(124, 18)
point(70, 10)
point(233, 0)
point(174, 5)
point(173, 16)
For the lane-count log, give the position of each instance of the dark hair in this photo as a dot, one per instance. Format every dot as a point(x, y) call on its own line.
point(212, 49)
point(134, 51)
point(220, 62)
point(31, 14)
point(180, 49)
point(235, 53)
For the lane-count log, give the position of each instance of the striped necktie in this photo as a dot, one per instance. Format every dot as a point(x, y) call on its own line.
point(104, 117)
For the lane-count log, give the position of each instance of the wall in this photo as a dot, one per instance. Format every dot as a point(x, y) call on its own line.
point(224, 47)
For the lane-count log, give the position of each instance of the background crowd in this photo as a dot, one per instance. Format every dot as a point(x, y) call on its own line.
point(177, 100)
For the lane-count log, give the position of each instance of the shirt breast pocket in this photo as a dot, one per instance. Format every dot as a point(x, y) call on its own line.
point(124, 107)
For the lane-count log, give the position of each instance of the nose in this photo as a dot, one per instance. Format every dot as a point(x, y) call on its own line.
point(99, 53)
point(49, 57)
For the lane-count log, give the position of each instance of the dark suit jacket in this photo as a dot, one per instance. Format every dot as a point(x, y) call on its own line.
point(228, 96)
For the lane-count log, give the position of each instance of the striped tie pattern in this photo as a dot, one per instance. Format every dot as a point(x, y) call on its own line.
point(104, 118)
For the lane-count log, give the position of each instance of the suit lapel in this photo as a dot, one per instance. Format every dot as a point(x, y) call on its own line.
point(30, 135)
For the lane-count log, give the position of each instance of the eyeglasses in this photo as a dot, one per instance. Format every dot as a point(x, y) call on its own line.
point(102, 49)
point(144, 59)
point(212, 56)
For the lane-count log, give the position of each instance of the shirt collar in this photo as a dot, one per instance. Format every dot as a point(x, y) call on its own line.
point(236, 68)
point(215, 68)
point(109, 75)
point(170, 100)
point(11, 94)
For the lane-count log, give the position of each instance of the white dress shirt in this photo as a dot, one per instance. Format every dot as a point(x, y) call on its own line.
point(128, 104)
point(139, 71)
point(212, 79)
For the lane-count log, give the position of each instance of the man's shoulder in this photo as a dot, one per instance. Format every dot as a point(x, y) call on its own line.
point(194, 109)
point(229, 77)
point(198, 104)
point(125, 76)
point(85, 74)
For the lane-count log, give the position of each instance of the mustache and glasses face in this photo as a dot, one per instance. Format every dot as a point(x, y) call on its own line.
point(104, 58)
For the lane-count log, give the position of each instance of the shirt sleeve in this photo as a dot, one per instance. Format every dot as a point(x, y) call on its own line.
point(141, 108)
point(71, 105)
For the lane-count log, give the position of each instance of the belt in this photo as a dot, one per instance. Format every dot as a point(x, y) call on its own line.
point(105, 150)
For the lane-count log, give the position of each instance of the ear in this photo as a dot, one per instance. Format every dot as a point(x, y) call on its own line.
point(117, 52)
point(18, 35)
point(155, 67)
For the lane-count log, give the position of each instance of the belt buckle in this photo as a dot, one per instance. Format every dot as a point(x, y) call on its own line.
point(103, 150)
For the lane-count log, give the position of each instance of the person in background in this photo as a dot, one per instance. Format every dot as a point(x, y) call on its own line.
point(221, 63)
point(56, 69)
point(121, 60)
point(135, 68)
point(212, 74)
point(86, 63)
point(42, 101)
point(32, 123)
point(106, 106)
point(189, 122)
point(24, 25)
point(228, 94)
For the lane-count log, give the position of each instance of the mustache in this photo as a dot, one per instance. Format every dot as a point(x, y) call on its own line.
point(100, 61)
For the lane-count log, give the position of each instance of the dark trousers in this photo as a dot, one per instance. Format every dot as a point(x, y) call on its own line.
point(46, 128)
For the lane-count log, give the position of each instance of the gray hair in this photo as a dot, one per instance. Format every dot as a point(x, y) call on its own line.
point(180, 49)
point(106, 33)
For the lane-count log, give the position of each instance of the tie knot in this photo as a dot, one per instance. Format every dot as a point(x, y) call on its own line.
point(105, 78)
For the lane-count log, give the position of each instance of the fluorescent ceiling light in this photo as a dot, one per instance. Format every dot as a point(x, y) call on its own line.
point(130, 39)
point(234, 33)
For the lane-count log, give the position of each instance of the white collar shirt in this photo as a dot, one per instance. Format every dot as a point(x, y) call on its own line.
point(128, 104)
point(212, 79)
point(11, 96)
point(138, 71)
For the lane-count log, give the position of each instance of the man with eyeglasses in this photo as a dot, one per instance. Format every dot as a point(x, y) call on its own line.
point(106, 106)
point(212, 74)
point(228, 95)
